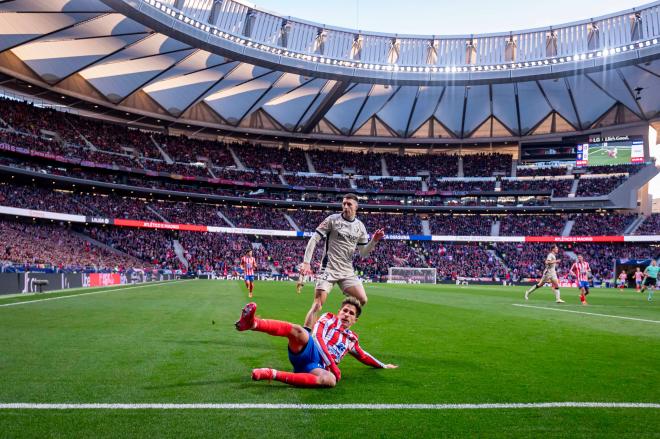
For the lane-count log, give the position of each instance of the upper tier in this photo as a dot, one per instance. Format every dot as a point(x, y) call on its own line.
point(229, 67)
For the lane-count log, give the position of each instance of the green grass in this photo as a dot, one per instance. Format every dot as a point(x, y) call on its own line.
point(598, 157)
point(453, 345)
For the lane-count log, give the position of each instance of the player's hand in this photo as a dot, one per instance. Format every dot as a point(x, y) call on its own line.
point(305, 269)
point(390, 366)
point(380, 234)
point(335, 371)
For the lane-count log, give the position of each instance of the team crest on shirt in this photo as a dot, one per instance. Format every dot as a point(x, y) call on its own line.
point(338, 349)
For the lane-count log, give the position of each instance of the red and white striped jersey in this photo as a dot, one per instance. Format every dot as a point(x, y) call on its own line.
point(581, 270)
point(248, 265)
point(333, 342)
point(638, 276)
point(623, 276)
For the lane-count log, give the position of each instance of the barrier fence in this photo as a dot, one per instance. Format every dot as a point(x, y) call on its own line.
point(29, 213)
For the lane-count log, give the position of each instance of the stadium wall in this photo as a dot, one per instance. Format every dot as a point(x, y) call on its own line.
point(14, 283)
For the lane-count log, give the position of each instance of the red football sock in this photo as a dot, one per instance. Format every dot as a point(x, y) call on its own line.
point(582, 298)
point(277, 328)
point(297, 379)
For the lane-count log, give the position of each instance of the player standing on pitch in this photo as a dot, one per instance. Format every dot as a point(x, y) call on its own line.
point(623, 279)
point(582, 272)
point(650, 278)
point(343, 233)
point(549, 275)
point(248, 263)
point(639, 276)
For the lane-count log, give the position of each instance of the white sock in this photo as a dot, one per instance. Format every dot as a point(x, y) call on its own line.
point(557, 295)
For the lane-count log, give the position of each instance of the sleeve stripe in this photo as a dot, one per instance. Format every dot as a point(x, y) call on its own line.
point(321, 234)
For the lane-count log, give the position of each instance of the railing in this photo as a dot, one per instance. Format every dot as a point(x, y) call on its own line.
point(288, 37)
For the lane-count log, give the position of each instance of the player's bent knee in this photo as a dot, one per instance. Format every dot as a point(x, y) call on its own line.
point(327, 380)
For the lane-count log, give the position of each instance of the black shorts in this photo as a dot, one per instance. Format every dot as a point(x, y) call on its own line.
point(650, 281)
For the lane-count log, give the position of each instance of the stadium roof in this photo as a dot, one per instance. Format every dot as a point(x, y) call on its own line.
point(227, 65)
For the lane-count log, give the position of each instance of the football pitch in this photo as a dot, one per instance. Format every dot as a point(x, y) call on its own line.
point(599, 157)
point(459, 349)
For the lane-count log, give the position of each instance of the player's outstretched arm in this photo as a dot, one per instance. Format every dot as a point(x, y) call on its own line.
point(365, 249)
point(365, 357)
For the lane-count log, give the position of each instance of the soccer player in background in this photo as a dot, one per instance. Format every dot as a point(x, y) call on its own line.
point(650, 278)
point(549, 275)
point(582, 271)
point(639, 276)
point(314, 355)
point(343, 233)
point(248, 264)
point(623, 278)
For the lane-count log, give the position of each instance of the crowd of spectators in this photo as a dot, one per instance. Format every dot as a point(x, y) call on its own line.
point(595, 224)
point(262, 157)
point(527, 260)
point(460, 225)
point(559, 188)
point(27, 245)
point(335, 162)
point(650, 226)
point(444, 165)
point(152, 246)
point(461, 186)
point(318, 181)
point(485, 165)
point(593, 187)
point(384, 184)
point(256, 217)
point(541, 171)
point(532, 225)
point(183, 149)
point(219, 252)
point(462, 260)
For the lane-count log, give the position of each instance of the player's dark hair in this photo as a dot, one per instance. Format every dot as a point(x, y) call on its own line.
point(248, 250)
point(354, 302)
point(351, 196)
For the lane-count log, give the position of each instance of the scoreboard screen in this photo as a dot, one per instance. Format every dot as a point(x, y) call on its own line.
point(610, 150)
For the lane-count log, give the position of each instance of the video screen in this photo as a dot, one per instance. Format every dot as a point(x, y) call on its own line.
point(613, 150)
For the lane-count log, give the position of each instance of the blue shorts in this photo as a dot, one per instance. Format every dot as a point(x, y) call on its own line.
point(249, 278)
point(308, 359)
point(638, 282)
point(583, 284)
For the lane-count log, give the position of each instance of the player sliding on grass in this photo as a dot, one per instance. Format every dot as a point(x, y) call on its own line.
point(549, 275)
point(315, 356)
point(650, 279)
point(342, 232)
point(582, 272)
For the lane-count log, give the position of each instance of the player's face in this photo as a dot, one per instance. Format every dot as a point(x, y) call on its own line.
point(347, 315)
point(555, 250)
point(580, 259)
point(349, 207)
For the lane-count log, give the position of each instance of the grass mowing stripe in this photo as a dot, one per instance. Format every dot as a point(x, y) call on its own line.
point(588, 313)
point(93, 292)
point(250, 406)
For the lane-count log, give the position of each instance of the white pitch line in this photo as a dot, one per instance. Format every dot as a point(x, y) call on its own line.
point(587, 313)
point(251, 406)
point(26, 302)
